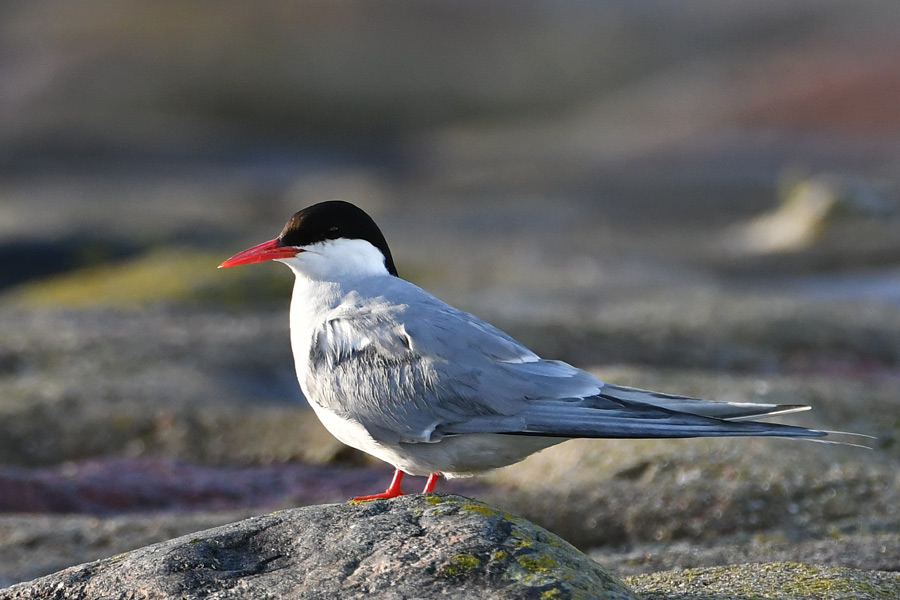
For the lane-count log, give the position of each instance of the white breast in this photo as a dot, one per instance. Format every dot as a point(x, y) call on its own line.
point(312, 304)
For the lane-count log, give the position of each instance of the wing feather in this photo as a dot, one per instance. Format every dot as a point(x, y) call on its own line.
point(410, 368)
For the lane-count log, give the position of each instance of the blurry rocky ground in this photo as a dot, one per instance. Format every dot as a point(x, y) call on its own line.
point(697, 197)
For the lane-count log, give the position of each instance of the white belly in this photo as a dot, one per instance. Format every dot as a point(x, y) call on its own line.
point(452, 456)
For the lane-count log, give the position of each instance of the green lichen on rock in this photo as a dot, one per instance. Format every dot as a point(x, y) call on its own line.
point(522, 554)
point(540, 562)
point(460, 564)
point(539, 568)
point(480, 508)
point(782, 581)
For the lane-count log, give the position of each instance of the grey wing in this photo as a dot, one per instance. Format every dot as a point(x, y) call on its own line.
point(409, 368)
point(619, 412)
point(418, 370)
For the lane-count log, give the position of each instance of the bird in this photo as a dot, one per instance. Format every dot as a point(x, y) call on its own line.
point(434, 391)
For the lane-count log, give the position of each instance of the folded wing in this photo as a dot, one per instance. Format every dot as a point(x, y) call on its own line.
point(410, 368)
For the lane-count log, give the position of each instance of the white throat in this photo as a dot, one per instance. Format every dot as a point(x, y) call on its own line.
point(334, 260)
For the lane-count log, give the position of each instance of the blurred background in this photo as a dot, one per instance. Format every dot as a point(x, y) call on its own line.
point(506, 140)
point(697, 196)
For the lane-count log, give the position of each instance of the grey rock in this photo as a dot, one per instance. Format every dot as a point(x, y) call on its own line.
point(858, 551)
point(784, 581)
point(418, 546)
point(35, 545)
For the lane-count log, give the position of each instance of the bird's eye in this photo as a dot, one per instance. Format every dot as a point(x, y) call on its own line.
point(333, 231)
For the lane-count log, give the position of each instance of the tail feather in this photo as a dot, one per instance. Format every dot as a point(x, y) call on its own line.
point(624, 412)
point(645, 421)
point(729, 411)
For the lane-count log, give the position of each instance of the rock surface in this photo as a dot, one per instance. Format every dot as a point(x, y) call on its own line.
point(435, 546)
point(785, 581)
point(411, 547)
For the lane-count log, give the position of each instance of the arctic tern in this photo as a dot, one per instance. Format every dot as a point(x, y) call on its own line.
point(391, 370)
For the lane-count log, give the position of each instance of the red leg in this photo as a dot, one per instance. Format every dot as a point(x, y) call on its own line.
point(393, 490)
point(429, 485)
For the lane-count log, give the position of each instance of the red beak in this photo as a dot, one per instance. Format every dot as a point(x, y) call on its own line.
point(266, 251)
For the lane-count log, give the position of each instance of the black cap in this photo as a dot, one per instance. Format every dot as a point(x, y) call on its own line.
point(334, 220)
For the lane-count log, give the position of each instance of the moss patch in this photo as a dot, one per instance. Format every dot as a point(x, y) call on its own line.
point(479, 508)
point(461, 564)
point(163, 275)
point(539, 562)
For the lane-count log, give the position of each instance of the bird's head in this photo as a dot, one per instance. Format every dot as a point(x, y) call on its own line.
point(325, 241)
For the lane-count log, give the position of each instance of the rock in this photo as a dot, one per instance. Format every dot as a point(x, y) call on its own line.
point(859, 551)
point(784, 581)
point(811, 205)
point(36, 545)
point(410, 547)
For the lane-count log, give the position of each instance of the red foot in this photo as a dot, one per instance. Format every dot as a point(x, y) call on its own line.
point(394, 489)
point(392, 492)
